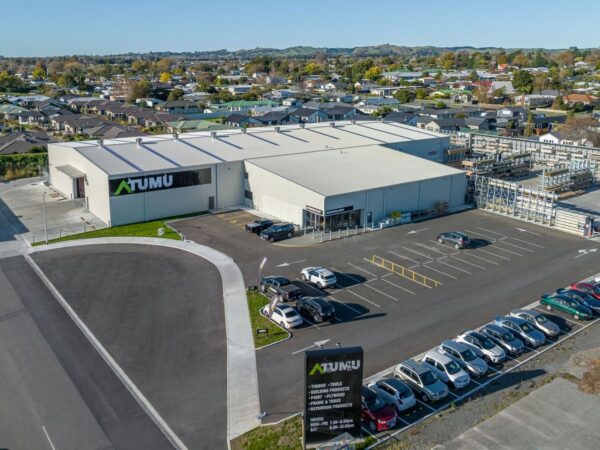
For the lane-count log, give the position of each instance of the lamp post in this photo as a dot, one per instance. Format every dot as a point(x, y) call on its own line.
point(45, 221)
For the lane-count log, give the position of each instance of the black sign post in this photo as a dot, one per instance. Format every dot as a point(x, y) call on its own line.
point(333, 384)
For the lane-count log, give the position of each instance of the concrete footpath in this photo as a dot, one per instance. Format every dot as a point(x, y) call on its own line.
point(556, 416)
point(243, 405)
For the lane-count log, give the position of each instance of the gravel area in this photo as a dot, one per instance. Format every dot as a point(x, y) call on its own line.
point(568, 359)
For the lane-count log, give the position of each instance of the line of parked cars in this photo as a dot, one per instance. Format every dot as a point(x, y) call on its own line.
point(453, 363)
point(269, 231)
point(314, 308)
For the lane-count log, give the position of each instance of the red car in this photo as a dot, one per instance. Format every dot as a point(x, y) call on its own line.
point(589, 288)
point(377, 413)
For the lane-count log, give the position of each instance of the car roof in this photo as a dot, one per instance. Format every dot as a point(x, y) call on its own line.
point(531, 312)
point(439, 357)
point(494, 327)
point(368, 392)
point(416, 366)
point(395, 383)
point(286, 308)
point(458, 346)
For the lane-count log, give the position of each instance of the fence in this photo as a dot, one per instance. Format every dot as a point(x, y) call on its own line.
point(404, 272)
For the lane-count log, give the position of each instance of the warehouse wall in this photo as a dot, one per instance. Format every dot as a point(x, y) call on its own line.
point(230, 186)
point(277, 196)
point(432, 148)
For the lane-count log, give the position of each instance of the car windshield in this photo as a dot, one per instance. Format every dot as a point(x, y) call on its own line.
point(540, 319)
point(290, 313)
point(507, 337)
point(428, 378)
point(283, 281)
point(486, 343)
point(526, 327)
point(404, 391)
point(468, 355)
point(374, 403)
point(452, 367)
point(330, 277)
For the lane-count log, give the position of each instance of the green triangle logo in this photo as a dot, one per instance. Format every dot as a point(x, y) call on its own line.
point(123, 185)
point(316, 368)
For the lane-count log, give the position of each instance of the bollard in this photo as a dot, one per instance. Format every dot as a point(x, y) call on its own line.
point(347, 231)
point(339, 233)
point(330, 234)
point(355, 229)
point(313, 233)
point(322, 236)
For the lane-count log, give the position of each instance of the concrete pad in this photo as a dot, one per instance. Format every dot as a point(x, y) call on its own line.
point(556, 416)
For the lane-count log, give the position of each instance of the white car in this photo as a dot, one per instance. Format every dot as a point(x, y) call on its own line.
point(319, 276)
point(446, 369)
point(285, 316)
point(482, 346)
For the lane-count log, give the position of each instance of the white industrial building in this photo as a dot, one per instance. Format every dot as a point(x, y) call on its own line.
point(329, 175)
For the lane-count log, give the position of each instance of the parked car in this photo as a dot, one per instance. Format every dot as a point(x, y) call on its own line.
point(454, 238)
point(503, 338)
point(319, 276)
point(377, 413)
point(589, 288)
point(521, 329)
point(277, 232)
point(317, 308)
point(483, 346)
point(567, 305)
point(421, 380)
point(284, 315)
point(258, 225)
point(582, 297)
point(277, 285)
point(538, 320)
point(446, 369)
point(395, 393)
point(464, 356)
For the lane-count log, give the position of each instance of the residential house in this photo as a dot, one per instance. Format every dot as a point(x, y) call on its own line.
point(148, 102)
point(309, 115)
point(440, 125)
point(10, 112)
point(32, 118)
point(193, 125)
point(506, 86)
point(402, 117)
point(246, 105)
point(178, 107)
point(534, 100)
point(555, 137)
point(24, 142)
point(585, 99)
point(239, 89)
point(242, 121)
point(278, 118)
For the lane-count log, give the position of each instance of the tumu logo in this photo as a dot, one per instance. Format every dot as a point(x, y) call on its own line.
point(131, 186)
point(338, 366)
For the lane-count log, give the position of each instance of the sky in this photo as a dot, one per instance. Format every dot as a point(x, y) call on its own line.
point(67, 27)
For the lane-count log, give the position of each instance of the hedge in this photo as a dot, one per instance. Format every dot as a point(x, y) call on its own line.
point(22, 165)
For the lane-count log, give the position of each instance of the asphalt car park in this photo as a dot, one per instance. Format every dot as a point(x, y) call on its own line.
point(394, 316)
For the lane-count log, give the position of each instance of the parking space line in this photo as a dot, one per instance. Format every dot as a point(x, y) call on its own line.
point(365, 271)
point(343, 304)
point(351, 277)
point(493, 254)
point(450, 265)
point(493, 370)
point(445, 247)
point(476, 382)
point(479, 257)
point(490, 231)
point(526, 242)
point(432, 249)
point(417, 263)
point(417, 253)
point(304, 283)
point(310, 323)
point(439, 271)
point(482, 235)
point(530, 349)
point(520, 247)
point(470, 263)
point(505, 250)
point(382, 293)
point(394, 284)
point(425, 405)
point(401, 419)
point(365, 299)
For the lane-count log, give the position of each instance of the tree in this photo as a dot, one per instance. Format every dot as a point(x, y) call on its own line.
point(440, 105)
point(164, 65)
point(165, 77)
point(312, 68)
point(528, 131)
point(523, 81)
point(559, 103)
point(581, 128)
point(373, 73)
point(39, 73)
point(473, 76)
point(404, 95)
point(175, 94)
point(521, 60)
point(139, 89)
point(421, 93)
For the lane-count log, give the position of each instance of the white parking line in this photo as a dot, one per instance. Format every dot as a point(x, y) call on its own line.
point(417, 253)
point(520, 247)
point(365, 271)
point(493, 254)
point(531, 349)
point(425, 405)
point(479, 257)
point(470, 263)
point(493, 370)
point(445, 247)
point(365, 299)
point(343, 304)
point(493, 232)
point(48, 438)
point(351, 277)
point(432, 249)
point(439, 271)
point(304, 283)
point(382, 293)
point(476, 233)
point(505, 250)
point(449, 265)
point(310, 323)
point(417, 263)
point(401, 419)
point(527, 242)
point(476, 382)
point(397, 285)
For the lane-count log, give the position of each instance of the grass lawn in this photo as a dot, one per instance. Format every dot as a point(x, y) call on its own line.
point(143, 229)
point(284, 436)
point(275, 333)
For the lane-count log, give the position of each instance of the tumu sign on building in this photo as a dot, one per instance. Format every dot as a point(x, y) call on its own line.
point(333, 385)
point(172, 180)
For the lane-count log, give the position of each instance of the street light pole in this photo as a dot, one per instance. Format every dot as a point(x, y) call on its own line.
point(45, 221)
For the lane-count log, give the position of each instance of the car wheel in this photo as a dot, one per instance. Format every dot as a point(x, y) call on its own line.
point(272, 239)
point(457, 247)
point(304, 277)
point(576, 316)
point(425, 398)
point(320, 285)
point(548, 308)
point(440, 240)
point(372, 425)
point(289, 235)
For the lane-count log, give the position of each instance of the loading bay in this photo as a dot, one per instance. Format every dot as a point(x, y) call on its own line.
point(394, 317)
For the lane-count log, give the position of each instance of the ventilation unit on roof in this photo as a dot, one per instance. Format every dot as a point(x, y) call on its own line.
point(213, 134)
point(138, 142)
point(353, 121)
point(277, 129)
point(302, 124)
point(244, 129)
point(100, 142)
point(332, 124)
point(175, 135)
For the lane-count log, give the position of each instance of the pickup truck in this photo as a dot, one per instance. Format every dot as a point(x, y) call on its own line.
point(280, 286)
point(258, 225)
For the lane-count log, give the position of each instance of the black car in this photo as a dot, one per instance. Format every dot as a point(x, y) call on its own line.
point(259, 225)
point(277, 232)
point(454, 238)
point(280, 286)
point(316, 308)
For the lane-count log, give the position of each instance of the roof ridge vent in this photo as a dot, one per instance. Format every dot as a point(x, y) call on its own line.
point(175, 134)
point(213, 135)
point(100, 142)
point(332, 124)
point(138, 142)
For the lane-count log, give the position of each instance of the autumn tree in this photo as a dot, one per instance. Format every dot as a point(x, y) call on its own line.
point(165, 77)
point(175, 94)
point(139, 89)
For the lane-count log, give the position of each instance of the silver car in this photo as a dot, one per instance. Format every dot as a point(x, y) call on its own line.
point(446, 369)
point(482, 346)
point(504, 338)
point(522, 329)
point(464, 356)
point(395, 393)
point(538, 320)
point(422, 380)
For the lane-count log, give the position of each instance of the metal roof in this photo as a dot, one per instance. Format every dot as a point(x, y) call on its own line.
point(341, 171)
point(124, 156)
